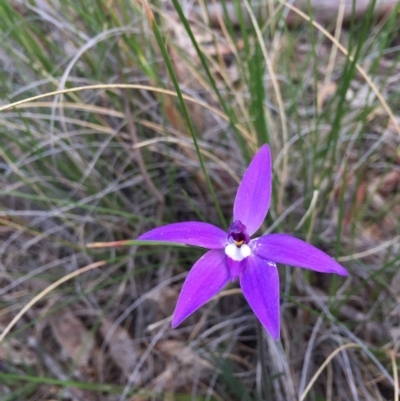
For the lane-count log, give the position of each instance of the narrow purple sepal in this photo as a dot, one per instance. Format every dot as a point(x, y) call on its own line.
point(288, 250)
point(207, 277)
point(260, 286)
point(254, 193)
point(189, 233)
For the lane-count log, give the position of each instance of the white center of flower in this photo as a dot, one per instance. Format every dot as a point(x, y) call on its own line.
point(237, 254)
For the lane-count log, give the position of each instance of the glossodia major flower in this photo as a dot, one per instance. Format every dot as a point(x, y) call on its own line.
point(233, 255)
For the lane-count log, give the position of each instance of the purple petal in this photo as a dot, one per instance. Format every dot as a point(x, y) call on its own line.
point(207, 277)
point(254, 192)
point(260, 286)
point(189, 233)
point(288, 250)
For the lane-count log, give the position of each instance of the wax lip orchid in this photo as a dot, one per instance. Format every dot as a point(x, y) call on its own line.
point(234, 255)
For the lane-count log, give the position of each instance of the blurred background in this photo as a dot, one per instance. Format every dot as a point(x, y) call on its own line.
point(317, 80)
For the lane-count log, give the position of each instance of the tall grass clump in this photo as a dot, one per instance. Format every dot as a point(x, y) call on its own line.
point(118, 116)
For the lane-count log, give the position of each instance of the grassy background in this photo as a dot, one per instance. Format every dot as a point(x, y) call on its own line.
point(169, 112)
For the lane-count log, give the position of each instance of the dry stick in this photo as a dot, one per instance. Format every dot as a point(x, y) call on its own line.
point(50, 288)
point(324, 10)
point(139, 159)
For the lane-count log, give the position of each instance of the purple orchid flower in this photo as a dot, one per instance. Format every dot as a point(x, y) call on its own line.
point(234, 255)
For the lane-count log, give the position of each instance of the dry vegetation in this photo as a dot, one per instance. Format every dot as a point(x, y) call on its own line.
point(107, 163)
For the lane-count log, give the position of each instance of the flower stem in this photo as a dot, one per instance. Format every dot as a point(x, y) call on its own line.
point(265, 385)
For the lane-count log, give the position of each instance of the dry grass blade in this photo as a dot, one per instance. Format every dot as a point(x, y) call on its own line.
point(323, 366)
point(371, 251)
point(124, 86)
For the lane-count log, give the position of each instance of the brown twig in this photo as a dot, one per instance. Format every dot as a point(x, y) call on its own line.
point(324, 11)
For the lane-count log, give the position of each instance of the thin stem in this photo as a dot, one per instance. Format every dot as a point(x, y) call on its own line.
point(265, 387)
